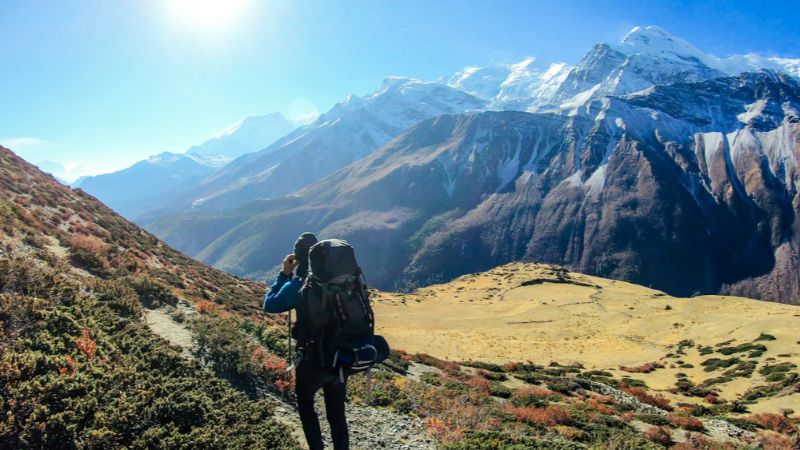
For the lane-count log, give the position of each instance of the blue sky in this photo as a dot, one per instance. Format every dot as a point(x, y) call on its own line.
point(97, 85)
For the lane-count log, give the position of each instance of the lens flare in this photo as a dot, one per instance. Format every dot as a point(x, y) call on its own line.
point(207, 14)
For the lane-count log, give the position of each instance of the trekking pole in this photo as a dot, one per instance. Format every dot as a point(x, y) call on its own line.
point(289, 337)
point(369, 386)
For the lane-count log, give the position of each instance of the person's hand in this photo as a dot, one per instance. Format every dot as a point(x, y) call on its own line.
point(289, 263)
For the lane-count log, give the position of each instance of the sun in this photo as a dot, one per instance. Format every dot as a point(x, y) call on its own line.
point(206, 14)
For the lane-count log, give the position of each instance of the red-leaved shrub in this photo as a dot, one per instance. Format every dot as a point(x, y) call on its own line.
point(86, 345)
point(548, 416)
point(644, 368)
point(772, 441)
point(205, 307)
point(774, 422)
point(659, 435)
point(644, 397)
point(686, 422)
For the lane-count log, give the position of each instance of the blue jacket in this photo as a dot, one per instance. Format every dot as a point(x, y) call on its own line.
point(283, 295)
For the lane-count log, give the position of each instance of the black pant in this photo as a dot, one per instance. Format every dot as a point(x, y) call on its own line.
point(309, 380)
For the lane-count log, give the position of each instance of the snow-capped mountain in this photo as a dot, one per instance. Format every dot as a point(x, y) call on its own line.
point(150, 183)
point(646, 56)
point(250, 135)
point(133, 190)
point(511, 86)
point(347, 132)
point(689, 187)
point(648, 160)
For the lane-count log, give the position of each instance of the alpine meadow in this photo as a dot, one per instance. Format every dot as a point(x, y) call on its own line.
point(598, 248)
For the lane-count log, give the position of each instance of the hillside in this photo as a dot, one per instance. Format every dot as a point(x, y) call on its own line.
point(79, 367)
point(543, 313)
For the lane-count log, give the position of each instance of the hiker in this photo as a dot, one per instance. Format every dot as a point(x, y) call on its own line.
point(284, 295)
point(334, 329)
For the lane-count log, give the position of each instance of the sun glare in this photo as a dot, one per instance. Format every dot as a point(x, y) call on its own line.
point(207, 14)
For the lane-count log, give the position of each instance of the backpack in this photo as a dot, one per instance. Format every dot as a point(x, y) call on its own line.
point(335, 322)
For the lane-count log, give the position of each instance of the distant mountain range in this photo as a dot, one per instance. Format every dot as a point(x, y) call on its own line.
point(134, 190)
point(649, 161)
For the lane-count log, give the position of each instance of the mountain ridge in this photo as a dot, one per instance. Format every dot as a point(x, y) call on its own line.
point(513, 185)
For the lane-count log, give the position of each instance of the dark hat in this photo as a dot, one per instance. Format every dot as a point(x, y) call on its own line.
point(301, 246)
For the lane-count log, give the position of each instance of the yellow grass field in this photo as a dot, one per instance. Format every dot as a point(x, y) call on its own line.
point(541, 313)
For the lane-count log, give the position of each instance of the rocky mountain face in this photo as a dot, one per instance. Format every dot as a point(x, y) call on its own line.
point(689, 187)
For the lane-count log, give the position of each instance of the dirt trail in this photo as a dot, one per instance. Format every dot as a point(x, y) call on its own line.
point(162, 324)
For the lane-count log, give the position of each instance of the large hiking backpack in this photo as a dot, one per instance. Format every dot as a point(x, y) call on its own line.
point(335, 319)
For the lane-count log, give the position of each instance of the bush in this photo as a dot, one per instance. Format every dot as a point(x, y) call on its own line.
point(713, 364)
point(644, 397)
point(75, 372)
point(87, 259)
point(644, 368)
point(776, 368)
point(526, 397)
point(499, 390)
point(659, 435)
point(495, 440)
point(119, 296)
point(548, 416)
point(743, 348)
point(654, 419)
point(686, 422)
point(153, 293)
point(774, 422)
point(628, 441)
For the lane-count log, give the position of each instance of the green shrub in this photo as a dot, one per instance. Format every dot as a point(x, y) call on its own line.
point(499, 390)
point(713, 364)
point(776, 368)
point(743, 348)
point(119, 296)
point(431, 378)
point(776, 376)
point(705, 350)
point(653, 419)
point(152, 293)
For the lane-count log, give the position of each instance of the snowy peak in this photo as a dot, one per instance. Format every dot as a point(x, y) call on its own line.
point(250, 135)
point(515, 86)
point(654, 42)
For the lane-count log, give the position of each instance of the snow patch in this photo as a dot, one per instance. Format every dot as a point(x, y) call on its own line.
point(597, 180)
point(752, 111)
point(581, 98)
point(712, 143)
point(507, 170)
